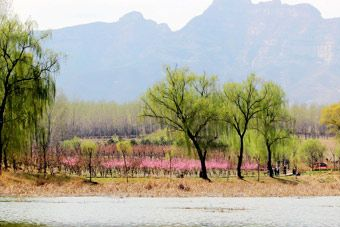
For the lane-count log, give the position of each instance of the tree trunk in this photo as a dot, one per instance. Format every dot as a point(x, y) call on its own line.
point(240, 159)
point(296, 172)
point(2, 112)
point(5, 160)
point(45, 161)
point(170, 167)
point(0, 156)
point(203, 172)
point(90, 167)
point(1, 142)
point(126, 170)
point(58, 158)
point(14, 165)
point(258, 169)
point(269, 163)
point(47, 144)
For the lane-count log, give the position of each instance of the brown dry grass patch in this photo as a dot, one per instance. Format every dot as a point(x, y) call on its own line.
point(315, 184)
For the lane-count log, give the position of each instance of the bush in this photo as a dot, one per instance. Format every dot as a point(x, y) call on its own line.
point(314, 151)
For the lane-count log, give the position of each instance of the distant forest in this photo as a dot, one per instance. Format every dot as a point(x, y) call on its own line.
point(89, 119)
point(105, 119)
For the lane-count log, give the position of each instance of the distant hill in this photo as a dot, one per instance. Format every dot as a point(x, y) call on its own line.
point(292, 45)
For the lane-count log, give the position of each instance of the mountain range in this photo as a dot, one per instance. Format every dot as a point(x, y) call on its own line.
point(289, 44)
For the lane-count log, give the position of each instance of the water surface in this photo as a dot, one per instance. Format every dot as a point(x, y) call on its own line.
point(159, 212)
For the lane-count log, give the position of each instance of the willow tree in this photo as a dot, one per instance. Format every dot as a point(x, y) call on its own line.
point(330, 116)
point(89, 147)
point(43, 137)
point(185, 102)
point(125, 148)
point(273, 121)
point(59, 116)
point(16, 143)
point(313, 151)
point(337, 153)
point(26, 75)
point(295, 154)
point(47, 129)
point(72, 145)
point(255, 149)
point(242, 103)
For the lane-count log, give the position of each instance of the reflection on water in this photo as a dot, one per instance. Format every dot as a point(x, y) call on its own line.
point(108, 211)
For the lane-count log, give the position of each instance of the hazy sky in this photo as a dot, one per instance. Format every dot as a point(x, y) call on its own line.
point(176, 13)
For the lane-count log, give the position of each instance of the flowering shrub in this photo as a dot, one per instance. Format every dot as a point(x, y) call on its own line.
point(70, 161)
point(176, 165)
point(147, 160)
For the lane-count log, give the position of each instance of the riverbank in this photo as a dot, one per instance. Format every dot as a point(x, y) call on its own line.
point(312, 184)
point(9, 224)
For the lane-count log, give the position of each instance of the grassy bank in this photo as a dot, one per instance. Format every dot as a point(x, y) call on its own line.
point(7, 224)
point(310, 184)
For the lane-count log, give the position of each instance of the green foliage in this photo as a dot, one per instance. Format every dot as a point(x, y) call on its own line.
point(230, 138)
point(292, 148)
point(170, 153)
point(273, 121)
point(330, 116)
point(88, 146)
point(337, 153)
point(242, 102)
point(313, 150)
point(184, 101)
point(254, 145)
point(72, 144)
point(165, 137)
point(58, 114)
point(159, 137)
point(124, 147)
point(27, 85)
point(113, 140)
point(187, 103)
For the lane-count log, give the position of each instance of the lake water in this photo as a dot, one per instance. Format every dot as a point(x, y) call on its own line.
point(154, 212)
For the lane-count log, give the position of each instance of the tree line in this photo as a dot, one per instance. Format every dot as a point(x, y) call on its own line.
point(33, 119)
point(196, 106)
point(193, 105)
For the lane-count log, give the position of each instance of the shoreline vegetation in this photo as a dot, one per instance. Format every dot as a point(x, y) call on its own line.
point(13, 224)
point(184, 125)
point(317, 183)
